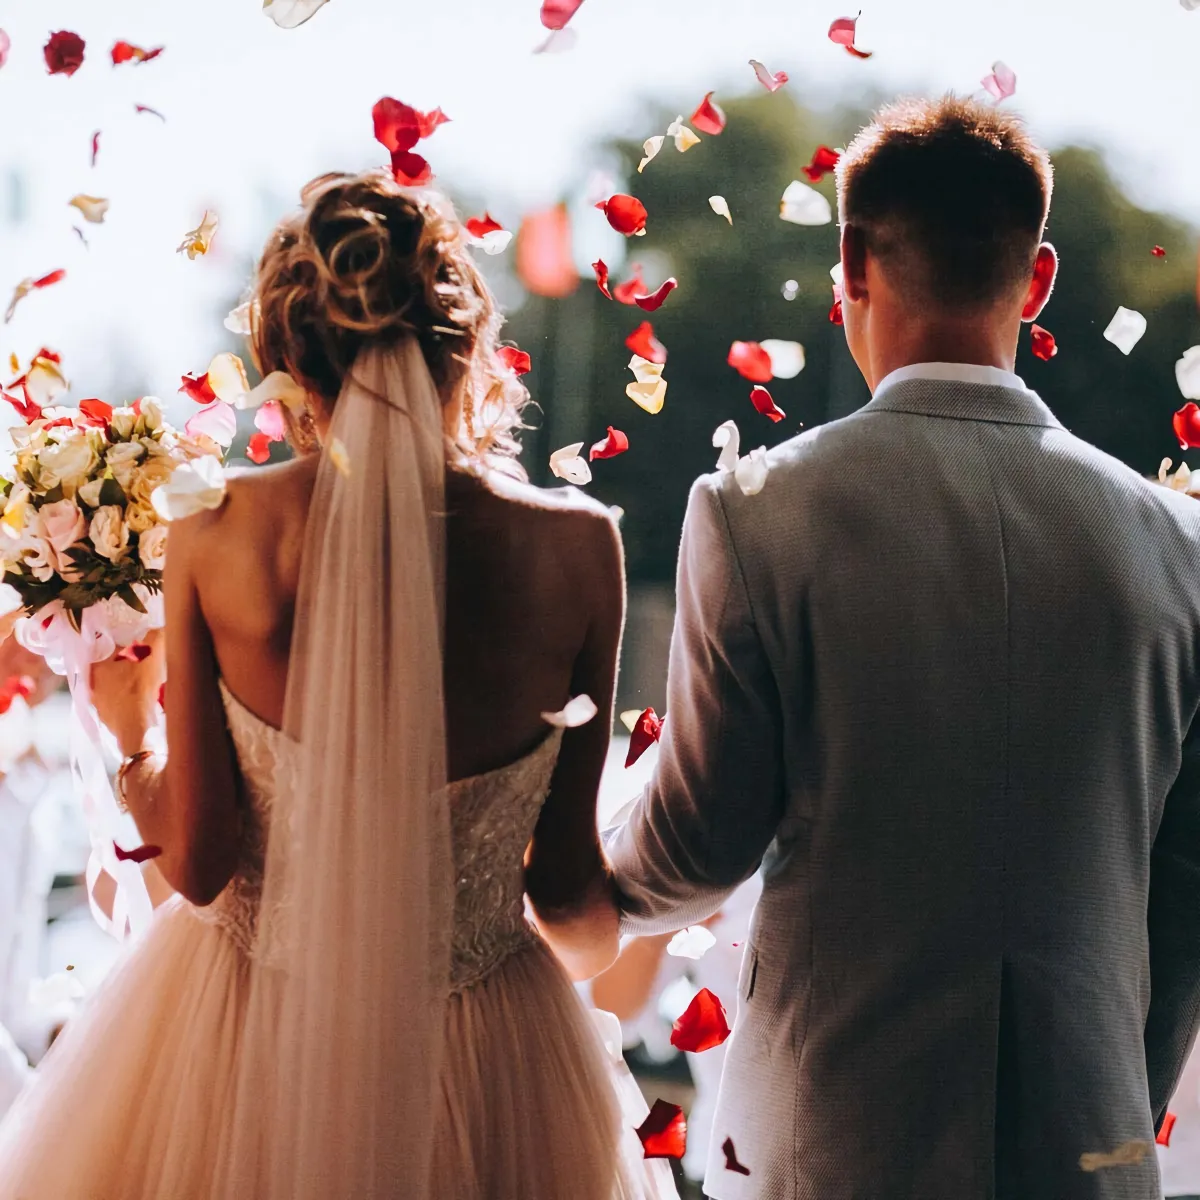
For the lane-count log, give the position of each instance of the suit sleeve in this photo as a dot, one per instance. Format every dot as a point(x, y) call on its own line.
point(1174, 932)
point(716, 799)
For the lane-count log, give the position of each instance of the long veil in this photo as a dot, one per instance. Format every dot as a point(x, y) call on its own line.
point(343, 1043)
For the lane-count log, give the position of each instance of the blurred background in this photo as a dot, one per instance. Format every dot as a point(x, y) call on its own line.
point(246, 112)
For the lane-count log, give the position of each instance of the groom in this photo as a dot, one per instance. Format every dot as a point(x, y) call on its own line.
point(940, 678)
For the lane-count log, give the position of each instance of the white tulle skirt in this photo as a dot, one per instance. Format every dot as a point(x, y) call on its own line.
point(134, 1101)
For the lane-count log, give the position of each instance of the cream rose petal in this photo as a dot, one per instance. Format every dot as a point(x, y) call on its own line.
point(193, 487)
point(802, 205)
point(720, 206)
point(568, 464)
point(1126, 329)
point(495, 242)
point(694, 942)
point(578, 711)
point(279, 385)
point(227, 378)
point(728, 440)
point(650, 147)
point(837, 273)
point(239, 319)
point(1187, 373)
point(629, 718)
point(91, 208)
point(45, 382)
point(196, 242)
point(289, 14)
point(787, 358)
point(685, 139)
point(650, 389)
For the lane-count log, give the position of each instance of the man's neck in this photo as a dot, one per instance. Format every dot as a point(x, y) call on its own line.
point(956, 343)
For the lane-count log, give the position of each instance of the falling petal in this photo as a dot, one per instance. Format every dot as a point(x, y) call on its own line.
point(703, 1026)
point(145, 108)
point(568, 464)
point(238, 320)
point(762, 401)
point(802, 205)
point(654, 301)
point(751, 472)
point(5, 46)
point(64, 53)
point(694, 943)
point(842, 33)
point(685, 139)
point(126, 52)
point(290, 14)
point(649, 389)
point(644, 732)
point(137, 652)
point(44, 382)
point(1187, 373)
point(1044, 345)
point(270, 421)
point(193, 487)
point(616, 443)
point(720, 206)
point(259, 449)
point(340, 458)
point(824, 160)
point(96, 412)
point(709, 117)
point(31, 285)
point(198, 389)
point(545, 260)
point(196, 242)
point(217, 421)
point(645, 345)
point(95, 146)
point(91, 208)
point(601, 270)
point(1002, 82)
point(633, 287)
point(731, 1158)
point(787, 358)
point(478, 226)
point(1164, 1134)
point(556, 13)
point(517, 361)
point(139, 855)
point(577, 712)
point(629, 717)
point(771, 82)
point(728, 441)
point(1186, 423)
point(650, 148)
point(1126, 329)
point(626, 214)
point(750, 361)
point(663, 1133)
point(227, 378)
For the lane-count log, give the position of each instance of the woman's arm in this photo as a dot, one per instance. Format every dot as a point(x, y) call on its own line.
point(567, 877)
point(187, 803)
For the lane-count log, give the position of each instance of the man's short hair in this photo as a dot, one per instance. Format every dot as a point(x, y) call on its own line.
point(952, 196)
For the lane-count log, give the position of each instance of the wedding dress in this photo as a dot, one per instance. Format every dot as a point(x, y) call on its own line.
point(276, 1044)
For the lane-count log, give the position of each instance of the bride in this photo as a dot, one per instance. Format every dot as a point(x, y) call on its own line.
point(346, 999)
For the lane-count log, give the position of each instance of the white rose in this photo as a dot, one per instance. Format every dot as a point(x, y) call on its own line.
point(151, 413)
point(70, 462)
point(109, 533)
point(123, 421)
point(89, 494)
point(152, 548)
point(122, 459)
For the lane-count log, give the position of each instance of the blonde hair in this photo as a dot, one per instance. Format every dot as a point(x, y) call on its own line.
point(365, 262)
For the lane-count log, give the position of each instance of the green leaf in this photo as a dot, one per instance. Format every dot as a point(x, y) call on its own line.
point(131, 598)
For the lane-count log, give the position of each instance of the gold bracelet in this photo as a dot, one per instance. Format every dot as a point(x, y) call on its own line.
point(122, 773)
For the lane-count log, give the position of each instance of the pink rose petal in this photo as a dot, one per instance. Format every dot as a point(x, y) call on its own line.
point(771, 82)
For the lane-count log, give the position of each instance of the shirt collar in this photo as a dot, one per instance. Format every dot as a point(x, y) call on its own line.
point(953, 373)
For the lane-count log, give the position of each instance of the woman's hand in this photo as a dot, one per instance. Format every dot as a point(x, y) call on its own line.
point(125, 694)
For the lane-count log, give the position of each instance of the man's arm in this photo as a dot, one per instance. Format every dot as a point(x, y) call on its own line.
point(1174, 931)
point(717, 795)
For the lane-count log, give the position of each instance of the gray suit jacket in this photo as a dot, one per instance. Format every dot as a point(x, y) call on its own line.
point(941, 679)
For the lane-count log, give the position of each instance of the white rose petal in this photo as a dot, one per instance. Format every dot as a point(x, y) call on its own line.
point(802, 205)
point(578, 711)
point(1187, 373)
point(495, 242)
point(685, 139)
point(728, 441)
point(837, 273)
point(193, 487)
point(151, 413)
point(91, 208)
point(694, 943)
point(279, 385)
point(239, 319)
point(720, 206)
point(289, 14)
point(45, 382)
point(55, 990)
point(227, 378)
point(568, 464)
point(1125, 330)
point(751, 472)
point(650, 147)
point(787, 358)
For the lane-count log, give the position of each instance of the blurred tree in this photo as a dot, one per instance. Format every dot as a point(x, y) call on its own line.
point(730, 288)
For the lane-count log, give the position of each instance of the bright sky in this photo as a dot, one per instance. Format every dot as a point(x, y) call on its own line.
point(253, 111)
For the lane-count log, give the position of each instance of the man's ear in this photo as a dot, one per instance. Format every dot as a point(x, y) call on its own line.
point(854, 263)
point(1045, 271)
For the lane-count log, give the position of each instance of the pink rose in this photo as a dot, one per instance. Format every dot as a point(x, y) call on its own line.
point(63, 525)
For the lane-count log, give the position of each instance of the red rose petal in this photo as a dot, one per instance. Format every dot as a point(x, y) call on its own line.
point(124, 52)
point(428, 122)
point(731, 1158)
point(145, 108)
point(1186, 423)
point(95, 146)
point(162, 696)
point(136, 653)
point(411, 170)
point(626, 214)
point(396, 124)
point(644, 344)
point(1159, 252)
point(616, 443)
point(198, 389)
point(601, 269)
point(46, 280)
point(761, 399)
point(478, 226)
point(709, 117)
point(96, 412)
point(64, 53)
point(515, 360)
point(29, 411)
point(704, 1024)
point(556, 13)
point(841, 33)
point(140, 855)
point(823, 161)
point(1044, 345)
point(259, 449)
point(663, 1133)
point(14, 686)
point(750, 361)
point(633, 287)
point(654, 301)
point(835, 313)
point(1163, 1137)
point(644, 734)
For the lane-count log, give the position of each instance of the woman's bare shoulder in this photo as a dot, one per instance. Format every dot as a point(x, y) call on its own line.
point(563, 505)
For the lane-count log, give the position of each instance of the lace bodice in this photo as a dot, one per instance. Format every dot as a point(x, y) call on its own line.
point(492, 819)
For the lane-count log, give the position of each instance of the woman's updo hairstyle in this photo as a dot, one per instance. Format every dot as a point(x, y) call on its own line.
point(365, 262)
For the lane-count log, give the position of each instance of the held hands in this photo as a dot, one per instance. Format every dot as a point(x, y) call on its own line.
point(125, 693)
